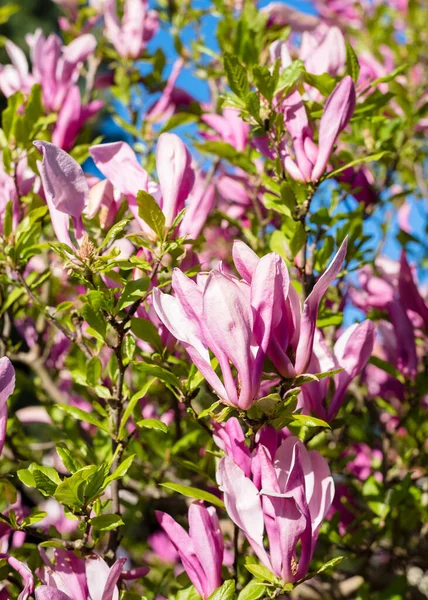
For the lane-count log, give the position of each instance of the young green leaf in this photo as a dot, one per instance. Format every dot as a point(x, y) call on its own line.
point(224, 592)
point(192, 492)
point(236, 75)
point(149, 211)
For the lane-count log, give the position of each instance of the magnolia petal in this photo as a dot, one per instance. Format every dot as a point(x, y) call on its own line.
point(310, 309)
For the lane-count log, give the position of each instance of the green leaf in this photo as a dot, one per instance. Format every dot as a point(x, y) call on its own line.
point(224, 592)
point(352, 64)
point(252, 591)
point(308, 421)
point(11, 114)
point(93, 371)
point(34, 106)
point(265, 83)
point(133, 291)
point(149, 211)
point(390, 76)
point(114, 232)
point(253, 106)
point(45, 479)
point(236, 75)
point(210, 410)
point(52, 544)
point(330, 320)
point(67, 458)
point(290, 77)
point(71, 491)
point(14, 295)
point(82, 415)
point(330, 564)
point(7, 11)
point(324, 83)
point(35, 517)
point(188, 593)
point(153, 424)
point(305, 378)
point(121, 470)
point(95, 320)
point(106, 522)
point(102, 392)
point(132, 404)
point(7, 224)
point(387, 367)
point(262, 573)
point(191, 492)
point(328, 373)
point(357, 161)
point(96, 483)
point(160, 373)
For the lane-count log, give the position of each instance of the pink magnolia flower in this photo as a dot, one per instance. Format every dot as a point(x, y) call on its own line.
point(293, 328)
point(201, 550)
point(361, 184)
point(230, 317)
point(11, 188)
point(173, 98)
point(139, 25)
point(351, 353)
point(344, 12)
point(289, 502)
point(229, 127)
point(361, 464)
point(282, 14)
point(66, 190)
point(119, 164)
point(7, 385)
point(310, 161)
point(73, 578)
point(71, 118)
point(323, 50)
point(26, 575)
point(395, 292)
point(57, 67)
point(163, 547)
point(9, 538)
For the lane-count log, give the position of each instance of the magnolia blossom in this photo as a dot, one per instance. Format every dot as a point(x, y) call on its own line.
point(26, 575)
point(139, 25)
point(201, 550)
point(229, 127)
point(73, 578)
point(55, 66)
point(351, 353)
point(13, 187)
point(66, 190)
point(287, 498)
point(230, 317)
point(71, 118)
point(310, 161)
point(282, 14)
point(177, 181)
point(323, 50)
point(7, 385)
point(173, 98)
point(395, 291)
point(293, 328)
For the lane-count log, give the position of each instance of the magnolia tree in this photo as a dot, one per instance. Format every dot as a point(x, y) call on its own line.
point(213, 329)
